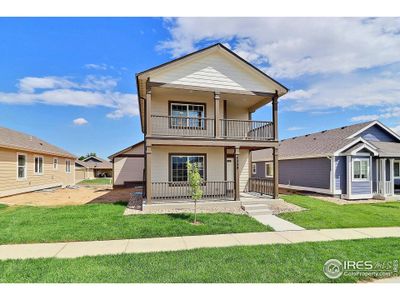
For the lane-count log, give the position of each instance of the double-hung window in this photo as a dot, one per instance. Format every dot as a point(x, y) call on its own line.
point(253, 168)
point(186, 115)
point(269, 170)
point(21, 169)
point(38, 165)
point(55, 163)
point(179, 169)
point(396, 169)
point(68, 166)
point(361, 169)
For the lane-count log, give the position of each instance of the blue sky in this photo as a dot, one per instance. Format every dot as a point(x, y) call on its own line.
point(71, 81)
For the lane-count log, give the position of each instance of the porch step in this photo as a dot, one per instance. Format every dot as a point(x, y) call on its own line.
point(256, 209)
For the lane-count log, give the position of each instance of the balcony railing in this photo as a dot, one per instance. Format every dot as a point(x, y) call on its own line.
point(247, 130)
point(205, 127)
point(263, 186)
point(182, 126)
point(171, 191)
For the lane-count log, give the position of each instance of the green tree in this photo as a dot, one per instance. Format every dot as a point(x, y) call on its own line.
point(195, 182)
point(87, 155)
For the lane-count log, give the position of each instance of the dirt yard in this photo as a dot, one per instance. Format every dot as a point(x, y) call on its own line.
point(78, 196)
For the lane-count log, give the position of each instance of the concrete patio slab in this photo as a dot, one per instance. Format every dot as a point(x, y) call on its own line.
point(30, 250)
point(343, 234)
point(78, 249)
point(260, 238)
point(207, 241)
point(304, 236)
point(380, 232)
point(155, 245)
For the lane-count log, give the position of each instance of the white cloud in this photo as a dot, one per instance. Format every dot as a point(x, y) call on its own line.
point(290, 47)
point(80, 121)
point(385, 113)
point(346, 91)
point(295, 128)
point(97, 66)
point(30, 84)
point(94, 91)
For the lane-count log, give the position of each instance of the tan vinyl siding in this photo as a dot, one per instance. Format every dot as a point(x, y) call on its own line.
point(214, 70)
point(244, 172)
point(50, 177)
point(160, 155)
point(139, 149)
point(128, 169)
point(161, 98)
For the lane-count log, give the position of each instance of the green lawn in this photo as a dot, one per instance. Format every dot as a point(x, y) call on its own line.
point(323, 214)
point(272, 263)
point(28, 224)
point(96, 181)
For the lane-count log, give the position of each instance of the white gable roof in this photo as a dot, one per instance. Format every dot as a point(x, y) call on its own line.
point(214, 67)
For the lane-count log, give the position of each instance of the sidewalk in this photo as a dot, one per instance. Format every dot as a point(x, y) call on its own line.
point(92, 248)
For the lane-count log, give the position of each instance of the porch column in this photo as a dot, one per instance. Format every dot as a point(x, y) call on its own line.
point(148, 175)
point(275, 115)
point(217, 123)
point(383, 175)
point(391, 176)
point(237, 174)
point(148, 113)
point(276, 172)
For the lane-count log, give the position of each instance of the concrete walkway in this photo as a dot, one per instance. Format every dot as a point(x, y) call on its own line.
point(277, 223)
point(92, 248)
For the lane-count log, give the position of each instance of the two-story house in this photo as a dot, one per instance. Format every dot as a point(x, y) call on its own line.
point(198, 109)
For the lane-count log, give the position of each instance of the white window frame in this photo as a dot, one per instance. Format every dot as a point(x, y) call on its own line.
point(55, 163)
point(368, 169)
point(266, 168)
point(25, 166)
point(396, 161)
point(188, 125)
point(171, 176)
point(34, 165)
point(67, 170)
point(254, 168)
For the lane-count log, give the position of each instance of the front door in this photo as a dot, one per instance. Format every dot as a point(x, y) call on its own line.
point(230, 169)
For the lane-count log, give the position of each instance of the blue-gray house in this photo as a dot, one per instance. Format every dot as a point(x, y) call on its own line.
point(360, 161)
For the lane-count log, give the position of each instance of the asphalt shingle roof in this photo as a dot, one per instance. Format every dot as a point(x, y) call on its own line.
point(18, 140)
point(317, 144)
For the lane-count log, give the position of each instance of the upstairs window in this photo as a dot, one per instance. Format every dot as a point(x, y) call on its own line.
point(361, 169)
point(185, 115)
point(38, 165)
point(21, 169)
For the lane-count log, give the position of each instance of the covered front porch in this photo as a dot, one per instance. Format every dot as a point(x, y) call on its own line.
point(225, 172)
point(387, 178)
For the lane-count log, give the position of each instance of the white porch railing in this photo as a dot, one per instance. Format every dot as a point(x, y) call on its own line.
point(385, 188)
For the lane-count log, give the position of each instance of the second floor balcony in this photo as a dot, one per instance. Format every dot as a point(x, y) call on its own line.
point(178, 126)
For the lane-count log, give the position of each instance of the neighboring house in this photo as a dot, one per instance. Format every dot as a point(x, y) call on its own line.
point(28, 163)
point(128, 166)
point(92, 167)
point(198, 109)
point(360, 161)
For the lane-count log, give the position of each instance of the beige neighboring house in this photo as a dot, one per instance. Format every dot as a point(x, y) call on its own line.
point(198, 109)
point(128, 166)
point(28, 163)
point(92, 167)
